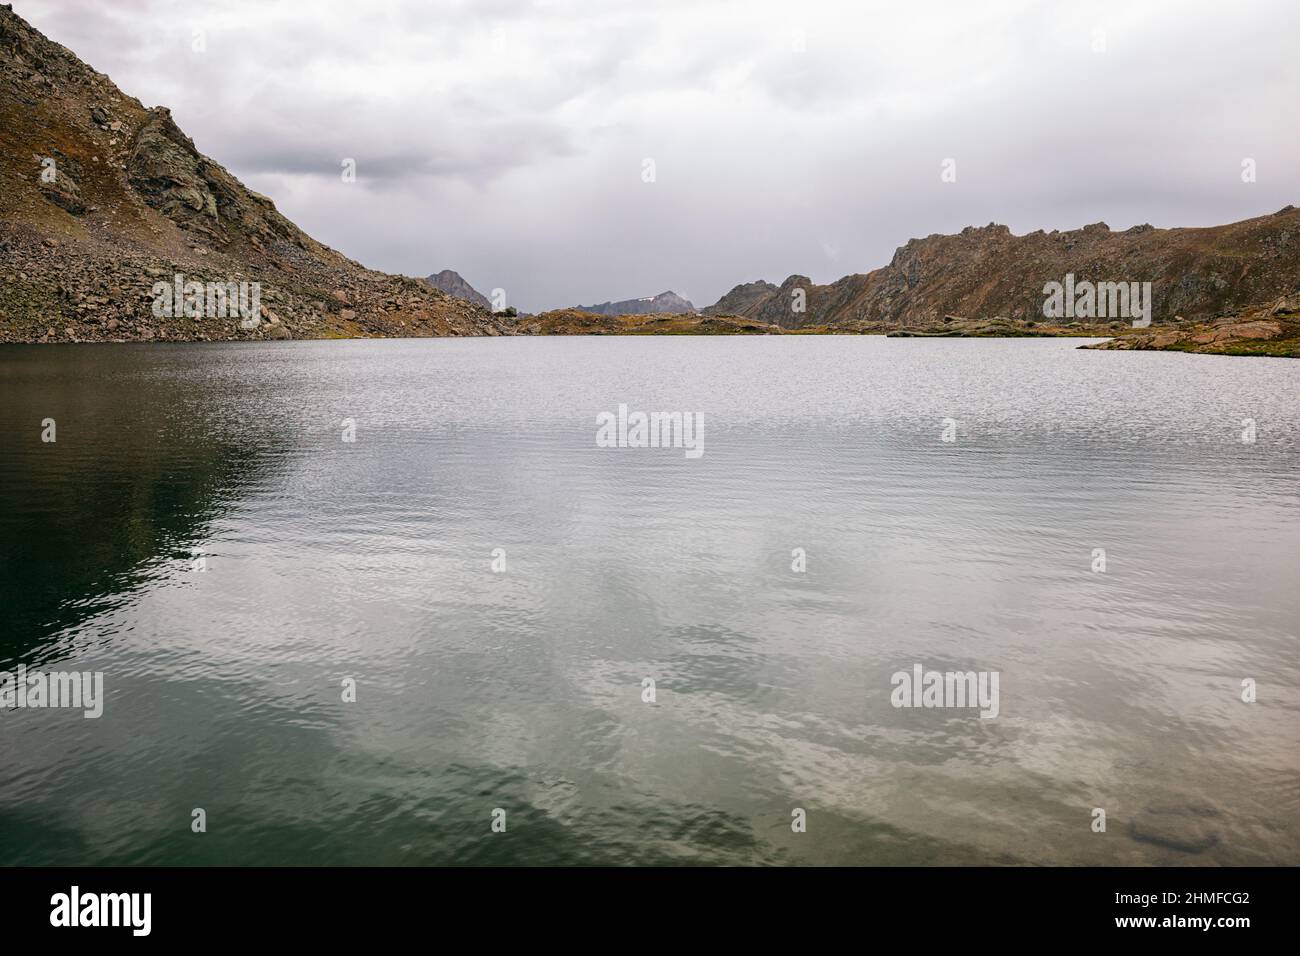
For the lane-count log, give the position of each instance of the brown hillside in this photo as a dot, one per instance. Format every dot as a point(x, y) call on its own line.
point(986, 273)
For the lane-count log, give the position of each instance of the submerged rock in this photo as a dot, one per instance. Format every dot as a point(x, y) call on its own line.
point(1185, 829)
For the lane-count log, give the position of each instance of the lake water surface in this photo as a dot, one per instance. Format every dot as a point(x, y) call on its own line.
point(201, 533)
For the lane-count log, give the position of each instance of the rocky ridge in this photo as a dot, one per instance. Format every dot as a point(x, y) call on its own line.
point(664, 302)
point(987, 273)
point(744, 300)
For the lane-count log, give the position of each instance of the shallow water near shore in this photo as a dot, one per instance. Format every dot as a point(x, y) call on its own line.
point(201, 533)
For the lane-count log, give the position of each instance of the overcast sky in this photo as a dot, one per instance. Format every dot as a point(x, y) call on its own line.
point(508, 140)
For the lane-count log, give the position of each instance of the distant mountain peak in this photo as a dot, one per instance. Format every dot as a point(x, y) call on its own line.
point(663, 302)
point(452, 283)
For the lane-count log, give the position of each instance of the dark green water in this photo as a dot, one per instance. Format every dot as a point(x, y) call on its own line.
point(371, 560)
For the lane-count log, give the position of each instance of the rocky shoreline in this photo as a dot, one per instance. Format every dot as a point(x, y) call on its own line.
point(1272, 330)
point(74, 290)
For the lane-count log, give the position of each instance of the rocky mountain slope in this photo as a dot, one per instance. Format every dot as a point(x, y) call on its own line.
point(744, 300)
point(452, 283)
point(1196, 275)
point(101, 199)
point(664, 302)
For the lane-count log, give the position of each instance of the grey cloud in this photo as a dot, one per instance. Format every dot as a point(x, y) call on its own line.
point(387, 161)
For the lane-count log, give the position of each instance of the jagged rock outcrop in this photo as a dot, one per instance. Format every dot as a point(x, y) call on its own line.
point(172, 176)
point(791, 303)
point(744, 300)
point(101, 198)
point(453, 284)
